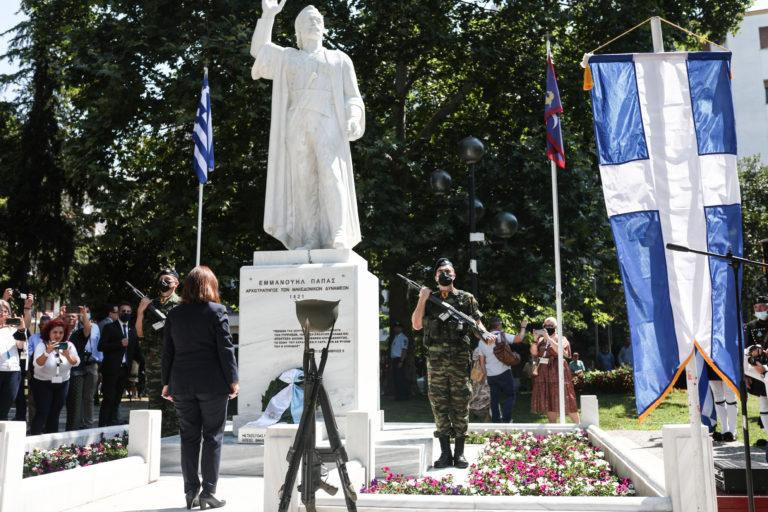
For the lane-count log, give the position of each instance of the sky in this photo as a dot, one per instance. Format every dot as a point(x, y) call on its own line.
point(9, 19)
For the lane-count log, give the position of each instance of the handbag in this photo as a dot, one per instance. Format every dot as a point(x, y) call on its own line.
point(477, 373)
point(504, 353)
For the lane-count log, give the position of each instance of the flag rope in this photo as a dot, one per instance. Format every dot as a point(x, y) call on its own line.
point(702, 38)
point(588, 82)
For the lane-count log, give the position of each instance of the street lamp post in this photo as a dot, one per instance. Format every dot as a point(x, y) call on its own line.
point(471, 151)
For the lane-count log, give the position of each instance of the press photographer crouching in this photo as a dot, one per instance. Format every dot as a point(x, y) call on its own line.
point(12, 340)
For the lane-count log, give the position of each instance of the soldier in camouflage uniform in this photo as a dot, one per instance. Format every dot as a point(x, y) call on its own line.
point(449, 353)
point(150, 331)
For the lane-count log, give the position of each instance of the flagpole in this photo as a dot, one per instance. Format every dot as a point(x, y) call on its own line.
point(558, 285)
point(199, 224)
point(691, 371)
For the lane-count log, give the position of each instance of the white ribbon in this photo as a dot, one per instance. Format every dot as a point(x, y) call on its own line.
point(279, 403)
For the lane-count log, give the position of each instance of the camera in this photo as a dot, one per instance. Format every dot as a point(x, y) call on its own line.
point(72, 310)
point(16, 294)
point(756, 355)
point(13, 321)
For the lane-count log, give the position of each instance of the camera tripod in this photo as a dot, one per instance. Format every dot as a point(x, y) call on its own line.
point(304, 449)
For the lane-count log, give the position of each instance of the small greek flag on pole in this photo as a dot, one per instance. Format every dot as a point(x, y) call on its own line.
point(203, 134)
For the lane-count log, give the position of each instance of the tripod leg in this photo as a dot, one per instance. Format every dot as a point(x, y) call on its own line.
point(350, 496)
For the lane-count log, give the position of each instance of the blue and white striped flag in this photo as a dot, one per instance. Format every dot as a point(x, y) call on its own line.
point(203, 134)
point(666, 144)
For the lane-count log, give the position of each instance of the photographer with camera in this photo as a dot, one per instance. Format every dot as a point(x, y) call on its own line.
point(12, 341)
point(54, 357)
point(84, 335)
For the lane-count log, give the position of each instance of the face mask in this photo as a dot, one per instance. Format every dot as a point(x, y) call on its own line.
point(445, 279)
point(124, 317)
point(761, 315)
point(551, 330)
point(164, 285)
point(88, 316)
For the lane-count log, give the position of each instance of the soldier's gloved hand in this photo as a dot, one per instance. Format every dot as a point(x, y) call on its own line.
point(144, 303)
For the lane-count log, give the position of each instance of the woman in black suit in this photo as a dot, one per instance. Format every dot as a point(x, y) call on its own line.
point(199, 376)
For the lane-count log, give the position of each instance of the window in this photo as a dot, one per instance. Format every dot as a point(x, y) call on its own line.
point(765, 85)
point(763, 37)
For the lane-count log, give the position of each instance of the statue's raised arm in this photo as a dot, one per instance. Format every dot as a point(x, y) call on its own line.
point(263, 32)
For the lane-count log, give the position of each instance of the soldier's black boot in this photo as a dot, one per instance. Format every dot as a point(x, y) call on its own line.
point(458, 454)
point(446, 459)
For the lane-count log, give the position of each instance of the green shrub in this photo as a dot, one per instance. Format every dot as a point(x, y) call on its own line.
point(620, 380)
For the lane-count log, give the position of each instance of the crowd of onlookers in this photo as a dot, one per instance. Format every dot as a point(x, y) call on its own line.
point(55, 360)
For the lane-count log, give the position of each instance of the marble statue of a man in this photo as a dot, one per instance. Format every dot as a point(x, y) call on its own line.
point(316, 110)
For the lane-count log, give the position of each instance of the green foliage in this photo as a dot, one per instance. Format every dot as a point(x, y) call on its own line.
point(112, 87)
point(753, 179)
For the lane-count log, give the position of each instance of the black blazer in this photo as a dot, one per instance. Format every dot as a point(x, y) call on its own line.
point(198, 354)
point(110, 344)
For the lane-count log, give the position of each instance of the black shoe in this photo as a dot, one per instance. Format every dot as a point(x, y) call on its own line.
point(208, 500)
point(446, 459)
point(728, 437)
point(717, 436)
point(192, 499)
point(458, 454)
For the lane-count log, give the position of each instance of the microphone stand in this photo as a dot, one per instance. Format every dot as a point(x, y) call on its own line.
point(735, 263)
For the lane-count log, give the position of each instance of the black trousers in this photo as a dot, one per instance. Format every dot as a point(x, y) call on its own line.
point(112, 387)
point(201, 416)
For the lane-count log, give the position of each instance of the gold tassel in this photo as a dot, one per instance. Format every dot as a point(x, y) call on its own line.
point(588, 83)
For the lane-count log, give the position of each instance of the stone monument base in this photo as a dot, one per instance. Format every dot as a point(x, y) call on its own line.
point(272, 341)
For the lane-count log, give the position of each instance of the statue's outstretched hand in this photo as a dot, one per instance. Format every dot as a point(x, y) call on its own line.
point(271, 8)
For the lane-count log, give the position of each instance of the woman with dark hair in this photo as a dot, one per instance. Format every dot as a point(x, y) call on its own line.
point(53, 359)
point(199, 376)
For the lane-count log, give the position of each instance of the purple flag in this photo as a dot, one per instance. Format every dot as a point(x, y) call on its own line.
point(552, 110)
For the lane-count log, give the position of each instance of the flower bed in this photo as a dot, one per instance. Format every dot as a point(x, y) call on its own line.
point(522, 464)
point(40, 462)
point(620, 380)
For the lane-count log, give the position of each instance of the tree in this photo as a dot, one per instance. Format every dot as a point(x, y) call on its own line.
point(431, 72)
point(753, 179)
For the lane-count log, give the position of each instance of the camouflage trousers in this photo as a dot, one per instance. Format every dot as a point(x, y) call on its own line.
point(153, 365)
point(449, 389)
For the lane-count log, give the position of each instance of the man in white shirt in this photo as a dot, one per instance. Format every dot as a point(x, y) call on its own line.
point(625, 354)
point(398, 353)
point(499, 375)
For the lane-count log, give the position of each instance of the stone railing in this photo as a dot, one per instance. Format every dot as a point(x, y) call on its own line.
point(66, 489)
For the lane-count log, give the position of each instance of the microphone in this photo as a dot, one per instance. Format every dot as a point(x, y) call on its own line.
point(675, 247)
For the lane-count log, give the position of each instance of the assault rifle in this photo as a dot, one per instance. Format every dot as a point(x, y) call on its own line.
point(316, 316)
point(159, 314)
point(449, 312)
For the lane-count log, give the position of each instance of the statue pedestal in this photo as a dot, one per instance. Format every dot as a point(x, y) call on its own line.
point(271, 339)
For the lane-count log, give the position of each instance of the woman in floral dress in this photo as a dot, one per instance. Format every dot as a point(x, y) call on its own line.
point(545, 397)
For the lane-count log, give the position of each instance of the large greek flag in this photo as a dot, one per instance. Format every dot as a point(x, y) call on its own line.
point(203, 135)
point(666, 145)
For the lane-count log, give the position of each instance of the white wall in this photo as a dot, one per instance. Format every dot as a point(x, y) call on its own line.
point(750, 68)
